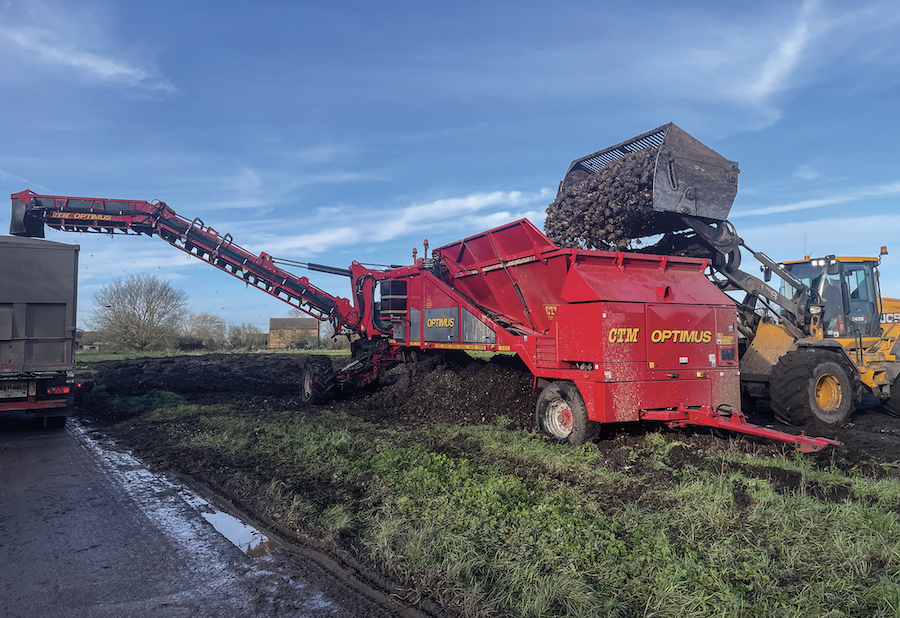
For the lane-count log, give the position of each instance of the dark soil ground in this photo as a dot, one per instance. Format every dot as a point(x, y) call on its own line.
point(455, 390)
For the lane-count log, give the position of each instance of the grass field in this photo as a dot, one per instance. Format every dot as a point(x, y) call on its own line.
point(487, 521)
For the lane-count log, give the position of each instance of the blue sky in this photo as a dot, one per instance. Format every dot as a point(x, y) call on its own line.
point(352, 131)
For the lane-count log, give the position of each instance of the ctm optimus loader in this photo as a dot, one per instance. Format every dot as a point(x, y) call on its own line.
point(610, 336)
point(814, 347)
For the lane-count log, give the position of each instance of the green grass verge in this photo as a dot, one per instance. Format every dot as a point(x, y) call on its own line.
point(492, 520)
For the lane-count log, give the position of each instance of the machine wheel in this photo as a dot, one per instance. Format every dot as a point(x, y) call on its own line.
point(55, 422)
point(562, 414)
point(807, 383)
point(318, 380)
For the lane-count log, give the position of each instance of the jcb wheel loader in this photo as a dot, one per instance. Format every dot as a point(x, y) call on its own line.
point(848, 359)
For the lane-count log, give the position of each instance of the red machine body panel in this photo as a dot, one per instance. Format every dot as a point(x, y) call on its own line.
point(634, 332)
point(681, 337)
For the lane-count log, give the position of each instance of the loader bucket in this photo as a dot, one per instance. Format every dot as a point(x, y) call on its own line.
point(688, 178)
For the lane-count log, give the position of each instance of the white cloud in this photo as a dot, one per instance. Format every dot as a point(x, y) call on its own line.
point(758, 63)
point(455, 213)
point(49, 35)
point(496, 219)
point(363, 229)
point(103, 258)
point(697, 61)
point(775, 72)
point(18, 181)
point(306, 245)
point(694, 57)
point(337, 177)
point(820, 237)
point(323, 154)
point(416, 217)
point(853, 195)
point(806, 172)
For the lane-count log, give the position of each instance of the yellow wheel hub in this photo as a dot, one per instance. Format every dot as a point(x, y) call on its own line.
point(828, 393)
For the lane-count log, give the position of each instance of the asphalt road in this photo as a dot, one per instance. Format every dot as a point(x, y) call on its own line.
point(87, 530)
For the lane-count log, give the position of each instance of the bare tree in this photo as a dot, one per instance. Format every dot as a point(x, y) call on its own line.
point(293, 339)
point(140, 311)
point(203, 330)
point(328, 340)
point(243, 336)
point(325, 338)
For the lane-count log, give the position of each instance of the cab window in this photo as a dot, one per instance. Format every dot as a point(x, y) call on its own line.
point(862, 295)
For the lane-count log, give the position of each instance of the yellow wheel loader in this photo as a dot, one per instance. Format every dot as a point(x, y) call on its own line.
point(847, 354)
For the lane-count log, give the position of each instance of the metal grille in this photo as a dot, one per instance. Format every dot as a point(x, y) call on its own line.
point(595, 162)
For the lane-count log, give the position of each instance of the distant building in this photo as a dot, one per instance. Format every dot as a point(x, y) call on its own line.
point(293, 333)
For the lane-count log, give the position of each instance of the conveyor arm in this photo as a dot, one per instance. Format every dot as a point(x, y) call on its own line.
point(30, 212)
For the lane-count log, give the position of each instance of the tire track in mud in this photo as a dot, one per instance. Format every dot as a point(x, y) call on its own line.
point(270, 584)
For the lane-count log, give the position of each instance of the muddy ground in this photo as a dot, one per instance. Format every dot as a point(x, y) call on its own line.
point(455, 390)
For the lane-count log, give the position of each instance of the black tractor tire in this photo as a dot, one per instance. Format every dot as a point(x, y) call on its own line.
point(561, 413)
point(55, 422)
point(318, 380)
point(809, 383)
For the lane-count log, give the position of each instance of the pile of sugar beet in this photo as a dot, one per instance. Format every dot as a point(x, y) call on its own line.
point(606, 210)
point(450, 388)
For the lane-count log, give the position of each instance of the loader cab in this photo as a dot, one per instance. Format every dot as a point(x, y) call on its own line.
point(846, 290)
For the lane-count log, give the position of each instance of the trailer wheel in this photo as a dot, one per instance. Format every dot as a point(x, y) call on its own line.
point(811, 383)
point(562, 414)
point(318, 380)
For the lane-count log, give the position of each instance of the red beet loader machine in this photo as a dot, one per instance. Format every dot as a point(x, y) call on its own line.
point(610, 337)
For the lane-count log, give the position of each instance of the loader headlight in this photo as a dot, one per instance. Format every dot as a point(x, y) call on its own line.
point(815, 310)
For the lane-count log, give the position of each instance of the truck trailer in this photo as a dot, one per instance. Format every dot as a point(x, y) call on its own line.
point(38, 290)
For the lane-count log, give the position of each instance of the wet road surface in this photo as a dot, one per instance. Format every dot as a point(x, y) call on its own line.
point(87, 530)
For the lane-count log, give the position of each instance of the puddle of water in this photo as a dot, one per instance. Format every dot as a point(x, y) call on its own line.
point(165, 496)
point(247, 538)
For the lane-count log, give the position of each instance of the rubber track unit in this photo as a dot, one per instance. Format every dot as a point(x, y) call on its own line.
point(792, 387)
